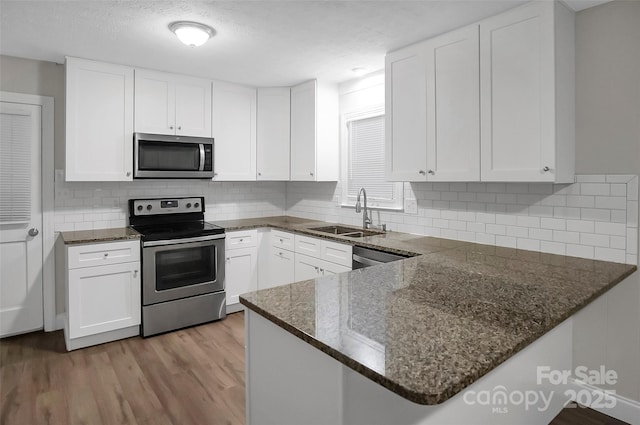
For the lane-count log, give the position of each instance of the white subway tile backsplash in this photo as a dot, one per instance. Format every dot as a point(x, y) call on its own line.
point(506, 241)
point(553, 247)
point(526, 221)
point(595, 214)
point(541, 234)
point(611, 202)
point(581, 201)
point(595, 189)
point(528, 244)
point(553, 223)
point(618, 242)
point(583, 251)
point(592, 239)
point(610, 228)
point(496, 229)
point(517, 232)
point(580, 226)
point(566, 212)
point(618, 189)
point(589, 178)
point(610, 254)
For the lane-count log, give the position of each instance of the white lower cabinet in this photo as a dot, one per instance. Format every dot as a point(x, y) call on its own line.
point(241, 266)
point(282, 270)
point(102, 293)
point(307, 267)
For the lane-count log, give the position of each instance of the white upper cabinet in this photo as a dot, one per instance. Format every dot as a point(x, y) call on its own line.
point(527, 92)
point(234, 131)
point(406, 114)
point(99, 121)
point(172, 104)
point(314, 132)
point(453, 114)
point(493, 101)
point(273, 133)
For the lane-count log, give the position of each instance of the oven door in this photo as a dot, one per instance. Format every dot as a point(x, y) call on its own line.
point(181, 268)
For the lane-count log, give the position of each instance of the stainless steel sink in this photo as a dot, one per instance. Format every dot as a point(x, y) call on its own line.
point(350, 232)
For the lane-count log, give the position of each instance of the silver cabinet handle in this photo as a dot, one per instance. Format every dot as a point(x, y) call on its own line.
point(280, 240)
point(311, 174)
point(170, 127)
point(546, 169)
point(128, 173)
point(179, 127)
point(259, 174)
point(431, 172)
point(422, 172)
point(106, 254)
point(33, 232)
point(135, 273)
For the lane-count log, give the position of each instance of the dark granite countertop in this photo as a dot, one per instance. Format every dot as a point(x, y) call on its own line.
point(429, 326)
point(99, 235)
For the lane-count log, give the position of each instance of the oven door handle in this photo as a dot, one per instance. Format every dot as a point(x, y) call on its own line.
point(183, 240)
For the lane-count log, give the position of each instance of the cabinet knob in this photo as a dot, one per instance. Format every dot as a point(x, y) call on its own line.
point(128, 173)
point(546, 169)
point(135, 273)
point(431, 172)
point(171, 127)
point(280, 240)
point(241, 240)
point(422, 172)
point(311, 174)
point(106, 254)
point(228, 258)
point(259, 174)
point(280, 254)
point(33, 232)
point(179, 127)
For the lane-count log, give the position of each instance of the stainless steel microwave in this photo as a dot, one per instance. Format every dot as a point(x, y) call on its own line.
point(159, 156)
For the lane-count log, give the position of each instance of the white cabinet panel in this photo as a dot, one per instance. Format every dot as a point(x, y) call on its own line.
point(314, 132)
point(273, 133)
point(282, 268)
point(103, 254)
point(103, 298)
point(328, 268)
point(307, 267)
point(240, 273)
point(283, 240)
point(527, 132)
point(406, 114)
point(234, 131)
point(453, 114)
point(99, 121)
point(241, 239)
point(172, 104)
point(308, 246)
point(338, 253)
point(193, 107)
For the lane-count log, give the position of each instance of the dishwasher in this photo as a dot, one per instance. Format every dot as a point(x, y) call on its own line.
point(365, 257)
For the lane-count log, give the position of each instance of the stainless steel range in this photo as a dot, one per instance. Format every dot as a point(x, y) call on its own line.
point(182, 264)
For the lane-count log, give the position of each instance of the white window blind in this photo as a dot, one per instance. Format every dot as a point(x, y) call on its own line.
point(365, 163)
point(15, 168)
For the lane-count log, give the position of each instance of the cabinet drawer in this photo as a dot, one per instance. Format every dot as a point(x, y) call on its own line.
point(336, 253)
point(241, 239)
point(103, 254)
point(308, 246)
point(282, 240)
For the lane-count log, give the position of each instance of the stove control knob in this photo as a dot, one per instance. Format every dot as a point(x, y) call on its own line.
point(196, 205)
point(139, 207)
point(149, 207)
point(189, 205)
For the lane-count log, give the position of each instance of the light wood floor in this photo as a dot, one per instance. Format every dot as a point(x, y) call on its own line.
point(193, 376)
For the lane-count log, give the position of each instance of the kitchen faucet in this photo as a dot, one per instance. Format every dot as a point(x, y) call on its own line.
point(366, 221)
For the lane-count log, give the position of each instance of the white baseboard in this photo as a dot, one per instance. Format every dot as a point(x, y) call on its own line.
point(625, 409)
point(59, 322)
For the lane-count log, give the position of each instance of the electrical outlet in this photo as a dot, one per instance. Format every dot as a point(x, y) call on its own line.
point(410, 206)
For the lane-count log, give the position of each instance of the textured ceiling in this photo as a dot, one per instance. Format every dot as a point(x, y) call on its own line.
point(261, 43)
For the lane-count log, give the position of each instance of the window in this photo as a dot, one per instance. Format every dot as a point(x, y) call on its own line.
point(363, 161)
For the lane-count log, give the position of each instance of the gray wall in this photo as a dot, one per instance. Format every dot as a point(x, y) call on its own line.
point(608, 89)
point(40, 78)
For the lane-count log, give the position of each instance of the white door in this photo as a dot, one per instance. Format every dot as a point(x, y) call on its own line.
point(406, 114)
point(240, 273)
point(453, 107)
point(20, 219)
point(274, 133)
point(234, 131)
point(155, 110)
point(303, 131)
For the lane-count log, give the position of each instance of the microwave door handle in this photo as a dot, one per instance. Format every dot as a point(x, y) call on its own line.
point(201, 168)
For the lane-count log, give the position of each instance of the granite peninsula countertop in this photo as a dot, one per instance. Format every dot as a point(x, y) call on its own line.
point(99, 235)
point(429, 326)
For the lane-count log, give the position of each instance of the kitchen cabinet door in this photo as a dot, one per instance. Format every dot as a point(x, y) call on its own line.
point(406, 114)
point(274, 133)
point(306, 267)
point(240, 273)
point(193, 107)
point(99, 121)
point(282, 268)
point(315, 120)
point(328, 269)
point(234, 131)
point(172, 104)
point(453, 106)
point(527, 92)
point(155, 103)
point(103, 298)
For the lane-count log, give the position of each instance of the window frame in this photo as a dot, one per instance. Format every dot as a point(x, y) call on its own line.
point(347, 201)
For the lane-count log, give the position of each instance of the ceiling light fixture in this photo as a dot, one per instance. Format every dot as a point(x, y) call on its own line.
point(359, 71)
point(192, 33)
